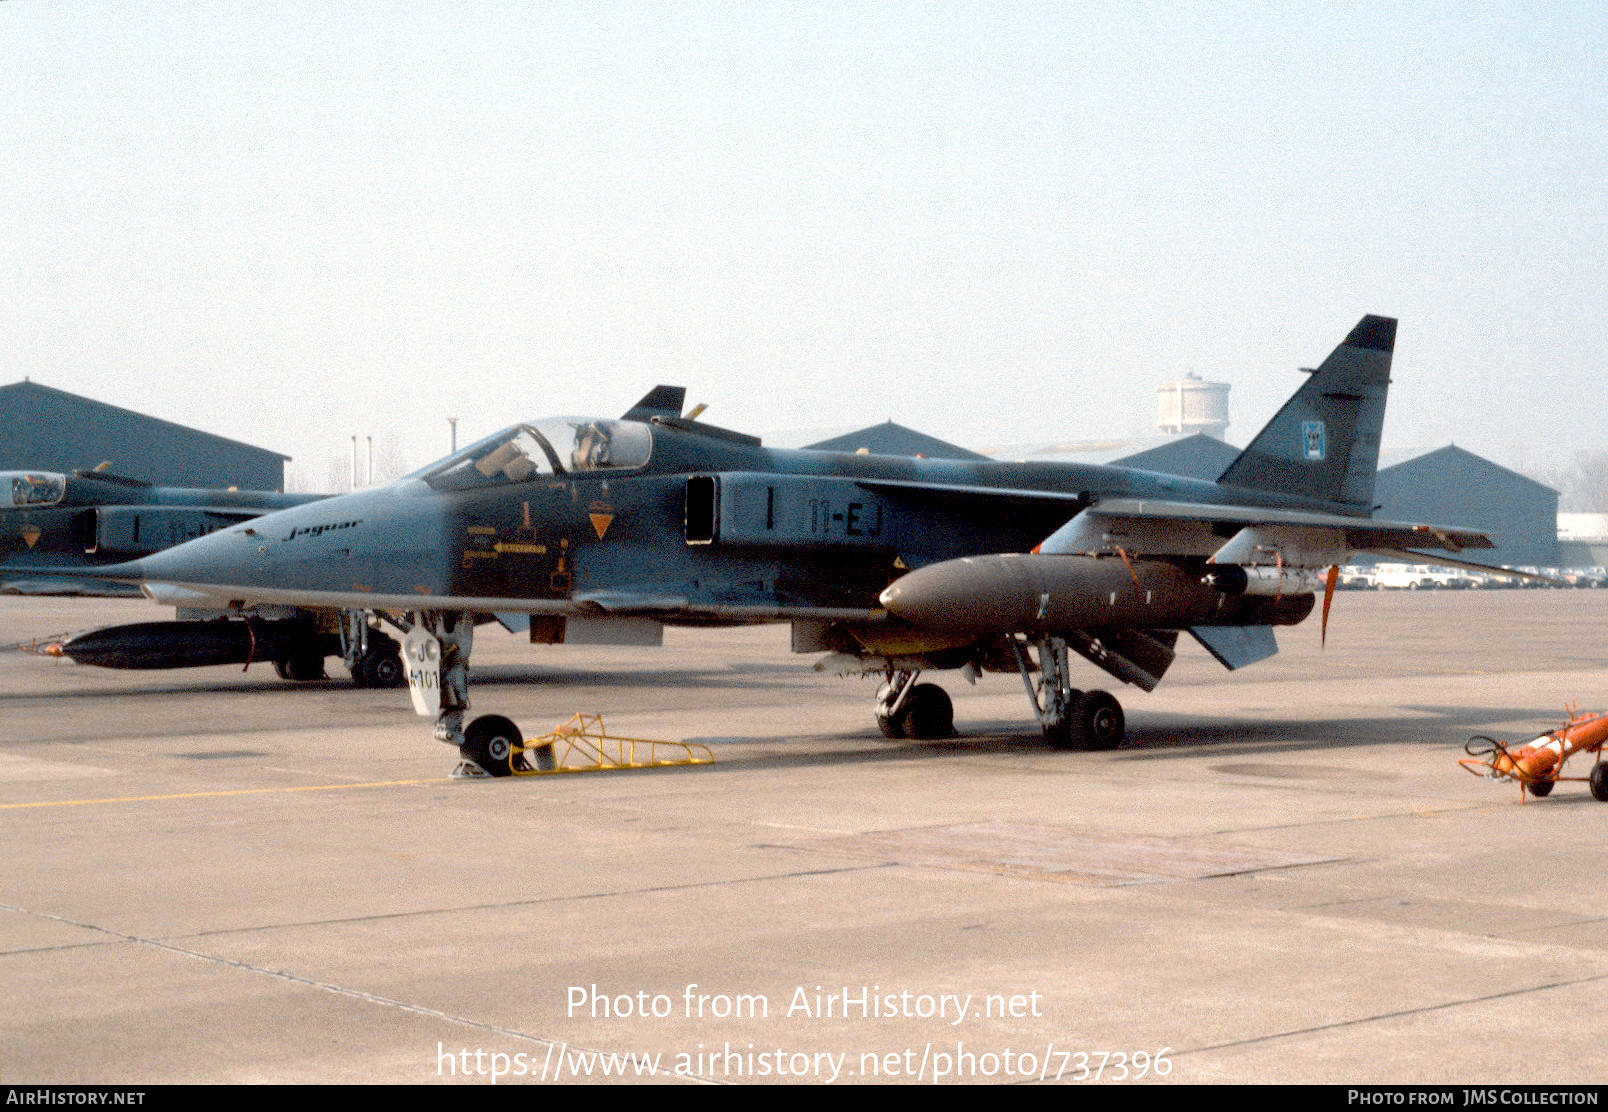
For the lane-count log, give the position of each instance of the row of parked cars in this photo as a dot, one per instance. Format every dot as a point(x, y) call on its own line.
point(1429, 577)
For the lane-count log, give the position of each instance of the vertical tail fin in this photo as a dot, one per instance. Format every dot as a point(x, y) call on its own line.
point(661, 401)
point(1324, 443)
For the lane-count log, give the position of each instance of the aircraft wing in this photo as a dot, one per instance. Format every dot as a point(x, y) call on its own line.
point(1362, 534)
point(1446, 561)
point(1157, 524)
point(670, 603)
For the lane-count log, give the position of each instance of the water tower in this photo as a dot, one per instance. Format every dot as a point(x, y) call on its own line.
point(1193, 406)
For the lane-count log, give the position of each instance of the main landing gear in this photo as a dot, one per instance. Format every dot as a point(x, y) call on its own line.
point(1070, 719)
point(906, 708)
point(372, 656)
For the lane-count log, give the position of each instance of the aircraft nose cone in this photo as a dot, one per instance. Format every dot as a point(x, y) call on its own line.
point(229, 556)
point(370, 541)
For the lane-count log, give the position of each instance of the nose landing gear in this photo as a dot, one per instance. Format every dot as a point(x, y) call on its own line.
point(435, 652)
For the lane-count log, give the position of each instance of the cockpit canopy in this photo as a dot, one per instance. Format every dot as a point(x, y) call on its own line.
point(549, 447)
point(31, 488)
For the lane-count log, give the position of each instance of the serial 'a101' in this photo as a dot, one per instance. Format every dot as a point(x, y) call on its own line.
point(605, 530)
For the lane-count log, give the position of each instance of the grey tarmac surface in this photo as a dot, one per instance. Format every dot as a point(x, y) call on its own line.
point(1284, 876)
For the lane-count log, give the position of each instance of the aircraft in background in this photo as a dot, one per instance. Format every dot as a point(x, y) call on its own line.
point(57, 530)
point(52, 526)
point(603, 531)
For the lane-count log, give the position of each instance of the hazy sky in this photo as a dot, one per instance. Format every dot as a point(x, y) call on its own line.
point(997, 223)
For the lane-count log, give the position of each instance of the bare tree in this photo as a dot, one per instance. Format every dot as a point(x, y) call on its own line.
point(1588, 492)
point(389, 463)
point(1582, 485)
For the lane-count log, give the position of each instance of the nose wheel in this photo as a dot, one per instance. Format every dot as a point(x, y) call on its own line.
point(495, 744)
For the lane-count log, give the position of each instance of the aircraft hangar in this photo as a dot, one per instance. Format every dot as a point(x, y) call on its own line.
point(42, 428)
point(890, 439)
point(1452, 486)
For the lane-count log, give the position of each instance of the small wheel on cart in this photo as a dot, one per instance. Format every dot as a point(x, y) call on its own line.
point(1599, 782)
point(1541, 788)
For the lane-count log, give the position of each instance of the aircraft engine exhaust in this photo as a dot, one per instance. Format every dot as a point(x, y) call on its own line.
point(1234, 579)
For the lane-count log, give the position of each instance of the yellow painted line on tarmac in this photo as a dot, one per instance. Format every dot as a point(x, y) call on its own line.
point(211, 795)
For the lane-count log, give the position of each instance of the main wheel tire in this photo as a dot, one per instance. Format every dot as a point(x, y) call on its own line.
point(1599, 782)
point(305, 664)
point(384, 670)
point(928, 713)
point(1059, 736)
point(1063, 735)
point(492, 742)
point(1541, 788)
point(1097, 721)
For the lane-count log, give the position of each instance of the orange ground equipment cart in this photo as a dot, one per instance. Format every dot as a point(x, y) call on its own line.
point(1537, 764)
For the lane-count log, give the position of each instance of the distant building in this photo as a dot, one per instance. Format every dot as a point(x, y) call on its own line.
point(45, 429)
point(1194, 457)
point(1583, 540)
point(1450, 486)
point(889, 439)
point(1193, 406)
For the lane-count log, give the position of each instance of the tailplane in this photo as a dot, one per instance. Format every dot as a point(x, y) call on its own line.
point(1324, 443)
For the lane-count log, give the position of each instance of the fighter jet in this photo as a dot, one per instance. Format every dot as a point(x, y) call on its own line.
point(53, 525)
point(58, 530)
point(586, 530)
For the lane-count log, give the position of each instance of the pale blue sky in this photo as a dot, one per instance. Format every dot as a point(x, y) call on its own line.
point(995, 222)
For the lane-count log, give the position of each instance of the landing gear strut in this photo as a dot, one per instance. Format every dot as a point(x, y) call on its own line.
point(906, 708)
point(372, 656)
point(1070, 719)
point(436, 651)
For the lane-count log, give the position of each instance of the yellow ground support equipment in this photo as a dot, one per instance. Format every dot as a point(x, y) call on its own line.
point(583, 745)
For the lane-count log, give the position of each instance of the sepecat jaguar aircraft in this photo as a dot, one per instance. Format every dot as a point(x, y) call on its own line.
point(597, 531)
